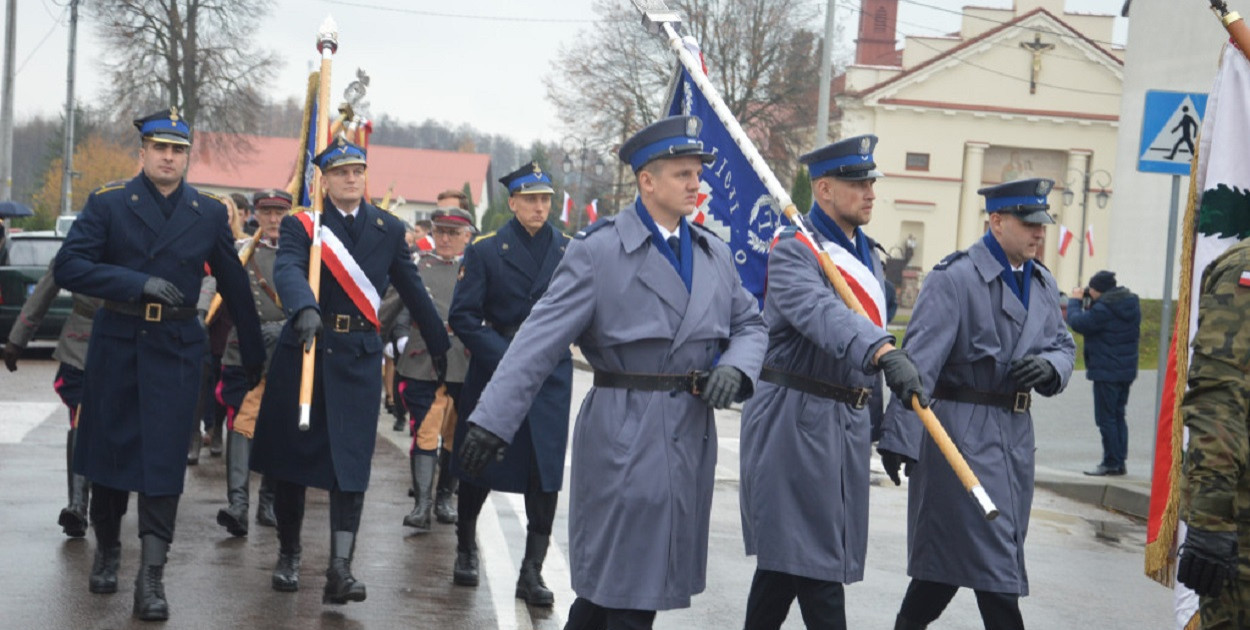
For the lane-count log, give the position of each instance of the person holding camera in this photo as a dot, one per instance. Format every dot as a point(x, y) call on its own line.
point(1109, 317)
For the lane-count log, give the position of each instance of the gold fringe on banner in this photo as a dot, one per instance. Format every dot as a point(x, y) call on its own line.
point(297, 173)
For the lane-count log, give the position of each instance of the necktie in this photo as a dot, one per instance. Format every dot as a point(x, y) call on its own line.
point(350, 221)
point(674, 244)
point(1019, 279)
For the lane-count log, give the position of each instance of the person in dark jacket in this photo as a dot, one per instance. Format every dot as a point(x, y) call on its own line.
point(1111, 324)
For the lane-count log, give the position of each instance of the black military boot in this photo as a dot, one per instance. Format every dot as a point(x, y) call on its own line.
point(341, 587)
point(530, 585)
point(902, 623)
point(464, 573)
point(150, 604)
point(104, 568)
point(286, 572)
point(73, 517)
point(233, 517)
point(401, 417)
point(422, 465)
point(264, 503)
point(445, 500)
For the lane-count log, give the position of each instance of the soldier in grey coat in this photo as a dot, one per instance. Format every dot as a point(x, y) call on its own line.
point(805, 434)
point(986, 333)
point(71, 351)
point(651, 299)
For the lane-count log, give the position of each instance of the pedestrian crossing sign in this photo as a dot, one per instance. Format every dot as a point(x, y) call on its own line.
point(1169, 131)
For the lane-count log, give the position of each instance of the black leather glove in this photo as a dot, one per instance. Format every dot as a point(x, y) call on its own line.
point(902, 377)
point(722, 388)
point(163, 291)
point(254, 374)
point(12, 352)
point(892, 462)
point(1032, 372)
point(307, 325)
point(1208, 560)
point(480, 448)
point(440, 367)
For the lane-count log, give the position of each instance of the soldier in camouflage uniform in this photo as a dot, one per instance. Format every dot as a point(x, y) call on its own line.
point(1215, 493)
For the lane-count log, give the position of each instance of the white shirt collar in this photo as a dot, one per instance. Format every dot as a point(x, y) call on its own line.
point(346, 213)
point(665, 233)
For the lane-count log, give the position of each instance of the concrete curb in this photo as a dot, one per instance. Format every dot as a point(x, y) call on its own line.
point(1129, 496)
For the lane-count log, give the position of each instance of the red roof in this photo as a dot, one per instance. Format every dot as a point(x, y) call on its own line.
point(417, 174)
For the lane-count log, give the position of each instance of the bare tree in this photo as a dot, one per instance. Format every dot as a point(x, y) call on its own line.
point(197, 55)
point(761, 56)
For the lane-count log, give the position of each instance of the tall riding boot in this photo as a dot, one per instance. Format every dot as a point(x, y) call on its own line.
point(264, 503)
point(530, 585)
point(422, 465)
point(234, 516)
point(445, 501)
point(193, 450)
point(341, 587)
point(150, 604)
point(73, 518)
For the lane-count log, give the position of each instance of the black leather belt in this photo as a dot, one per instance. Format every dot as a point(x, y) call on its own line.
point(151, 311)
point(82, 310)
point(693, 381)
point(508, 332)
point(1015, 402)
point(856, 397)
point(346, 323)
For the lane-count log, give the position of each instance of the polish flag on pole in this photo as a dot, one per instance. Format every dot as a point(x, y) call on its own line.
point(1089, 240)
point(592, 211)
point(566, 210)
point(1065, 239)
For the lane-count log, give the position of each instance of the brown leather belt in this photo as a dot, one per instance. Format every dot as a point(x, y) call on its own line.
point(1015, 402)
point(346, 323)
point(151, 311)
point(856, 397)
point(693, 382)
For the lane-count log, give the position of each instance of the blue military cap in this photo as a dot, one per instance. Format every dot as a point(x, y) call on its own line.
point(850, 159)
point(164, 126)
point(1025, 198)
point(339, 153)
point(527, 180)
point(676, 136)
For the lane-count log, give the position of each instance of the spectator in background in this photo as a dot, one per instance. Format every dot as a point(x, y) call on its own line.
point(1110, 321)
point(424, 242)
point(247, 217)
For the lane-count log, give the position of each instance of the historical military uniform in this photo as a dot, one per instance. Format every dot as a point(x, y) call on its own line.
point(71, 351)
point(1215, 494)
point(429, 402)
point(976, 320)
point(805, 434)
point(242, 405)
point(144, 253)
point(336, 451)
point(648, 316)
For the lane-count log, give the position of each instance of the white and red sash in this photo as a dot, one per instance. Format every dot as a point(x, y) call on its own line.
point(863, 282)
point(336, 257)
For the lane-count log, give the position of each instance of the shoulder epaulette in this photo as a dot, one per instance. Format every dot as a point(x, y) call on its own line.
point(946, 262)
point(594, 227)
point(706, 229)
point(107, 187)
point(484, 237)
point(1037, 262)
point(879, 247)
point(213, 196)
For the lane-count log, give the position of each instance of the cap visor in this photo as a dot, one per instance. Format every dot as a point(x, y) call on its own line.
point(168, 139)
point(541, 189)
point(346, 162)
point(1036, 216)
point(860, 176)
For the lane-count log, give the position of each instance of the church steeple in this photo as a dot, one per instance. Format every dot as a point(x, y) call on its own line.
point(876, 41)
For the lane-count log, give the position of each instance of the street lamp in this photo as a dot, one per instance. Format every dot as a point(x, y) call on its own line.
point(581, 155)
point(1102, 180)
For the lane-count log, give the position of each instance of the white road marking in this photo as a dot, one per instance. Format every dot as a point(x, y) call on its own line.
point(499, 571)
point(555, 568)
point(18, 418)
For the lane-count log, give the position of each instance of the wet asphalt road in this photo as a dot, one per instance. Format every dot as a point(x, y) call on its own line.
point(1084, 563)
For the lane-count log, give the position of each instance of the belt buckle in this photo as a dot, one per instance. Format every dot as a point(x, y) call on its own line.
point(695, 377)
point(1022, 403)
point(342, 323)
point(862, 396)
point(152, 312)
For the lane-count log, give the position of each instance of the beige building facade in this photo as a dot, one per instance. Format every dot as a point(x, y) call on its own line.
point(1029, 91)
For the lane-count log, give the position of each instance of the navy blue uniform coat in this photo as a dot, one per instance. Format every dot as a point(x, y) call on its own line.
point(142, 377)
point(337, 449)
point(499, 285)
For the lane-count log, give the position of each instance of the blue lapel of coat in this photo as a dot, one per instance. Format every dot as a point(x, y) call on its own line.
point(514, 253)
point(656, 273)
point(144, 206)
point(186, 214)
point(703, 284)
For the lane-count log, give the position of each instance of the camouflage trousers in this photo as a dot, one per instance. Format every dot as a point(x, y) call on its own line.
point(1229, 611)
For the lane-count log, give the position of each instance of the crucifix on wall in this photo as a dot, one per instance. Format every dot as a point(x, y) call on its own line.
point(1037, 48)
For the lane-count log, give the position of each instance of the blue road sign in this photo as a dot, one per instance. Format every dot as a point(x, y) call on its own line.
point(1169, 131)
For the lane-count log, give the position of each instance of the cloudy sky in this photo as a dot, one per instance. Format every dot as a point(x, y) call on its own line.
point(479, 62)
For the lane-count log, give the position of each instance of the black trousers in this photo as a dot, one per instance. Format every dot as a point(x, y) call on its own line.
point(822, 603)
point(108, 506)
point(288, 510)
point(587, 615)
point(540, 509)
point(926, 600)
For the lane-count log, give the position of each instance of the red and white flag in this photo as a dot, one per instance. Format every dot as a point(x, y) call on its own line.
point(566, 209)
point(1089, 240)
point(592, 211)
point(1065, 239)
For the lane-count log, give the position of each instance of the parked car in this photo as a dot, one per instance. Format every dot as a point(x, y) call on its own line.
point(24, 258)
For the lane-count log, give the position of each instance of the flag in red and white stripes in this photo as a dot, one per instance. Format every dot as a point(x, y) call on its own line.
point(566, 209)
point(592, 211)
point(1089, 240)
point(1065, 239)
